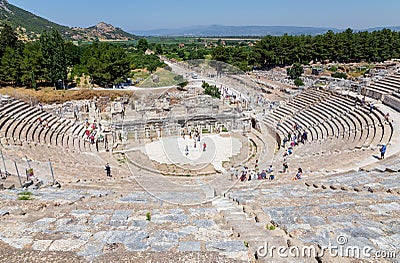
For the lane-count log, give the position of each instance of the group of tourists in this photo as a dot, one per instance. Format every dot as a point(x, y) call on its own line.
point(246, 174)
point(293, 139)
point(93, 133)
point(195, 136)
point(371, 106)
point(43, 123)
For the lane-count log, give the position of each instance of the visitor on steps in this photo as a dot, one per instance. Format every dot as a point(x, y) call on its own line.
point(204, 147)
point(383, 151)
point(232, 172)
point(284, 142)
point(108, 170)
point(304, 137)
point(187, 150)
point(298, 174)
point(271, 177)
point(256, 168)
point(387, 118)
point(285, 167)
point(371, 107)
point(262, 175)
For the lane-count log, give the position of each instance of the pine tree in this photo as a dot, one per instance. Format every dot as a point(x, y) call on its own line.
point(54, 58)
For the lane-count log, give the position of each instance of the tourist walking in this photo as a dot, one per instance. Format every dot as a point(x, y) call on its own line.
point(108, 170)
point(383, 151)
point(187, 150)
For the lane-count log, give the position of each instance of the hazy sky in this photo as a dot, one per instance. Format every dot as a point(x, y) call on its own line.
point(132, 15)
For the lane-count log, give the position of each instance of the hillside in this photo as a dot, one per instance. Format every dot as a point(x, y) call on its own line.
point(101, 31)
point(29, 26)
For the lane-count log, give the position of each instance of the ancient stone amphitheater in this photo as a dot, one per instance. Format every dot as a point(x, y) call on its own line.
point(346, 198)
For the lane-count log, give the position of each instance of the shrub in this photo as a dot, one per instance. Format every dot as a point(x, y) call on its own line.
point(25, 193)
point(148, 216)
point(333, 68)
point(211, 90)
point(25, 196)
point(339, 75)
point(298, 82)
point(183, 84)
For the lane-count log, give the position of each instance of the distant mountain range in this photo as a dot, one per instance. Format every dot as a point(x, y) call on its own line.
point(30, 26)
point(257, 31)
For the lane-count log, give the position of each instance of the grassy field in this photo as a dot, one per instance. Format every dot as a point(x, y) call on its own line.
point(165, 78)
point(49, 95)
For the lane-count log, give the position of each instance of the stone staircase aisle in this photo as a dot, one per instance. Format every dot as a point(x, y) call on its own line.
point(252, 230)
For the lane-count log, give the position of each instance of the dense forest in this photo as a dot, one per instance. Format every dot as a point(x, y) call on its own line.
point(53, 61)
point(344, 47)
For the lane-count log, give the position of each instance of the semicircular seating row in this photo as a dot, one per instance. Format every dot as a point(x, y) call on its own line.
point(19, 126)
point(384, 87)
point(331, 118)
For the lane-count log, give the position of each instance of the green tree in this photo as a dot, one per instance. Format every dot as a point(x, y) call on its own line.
point(142, 45)
point(10, 71)
point(32, 67)
point(158, 49)
point(181, 53)
point(8, 38)
point(295, 71)
point(106, 63)
point(152, 67)
point(298, 82)
point(220, 53)
point(54, 58)
point(72, 54)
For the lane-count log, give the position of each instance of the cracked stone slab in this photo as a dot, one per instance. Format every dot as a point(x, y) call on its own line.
point(205, 223)
point(137, 246)
point(226, 246)
point(91, 250)
point(41, 245)
point(18, 242)
point(190, 246)
point(66, 245)
point(169, 218)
